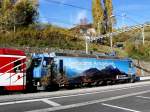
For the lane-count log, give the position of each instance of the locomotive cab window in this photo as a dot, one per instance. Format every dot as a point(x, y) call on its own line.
point(130, 64)
point(17, 66)
point(61, 66)
point(46, 62)
point(37, 62)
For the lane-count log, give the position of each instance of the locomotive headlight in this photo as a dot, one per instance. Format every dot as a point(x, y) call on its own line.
point(38, 83)
point(117, 77)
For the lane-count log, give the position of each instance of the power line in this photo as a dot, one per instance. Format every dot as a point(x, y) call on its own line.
point(79, 7)
point(57, 21)
point(74, 6)
point(71, 5)
point(133, 20)
point(66, 4)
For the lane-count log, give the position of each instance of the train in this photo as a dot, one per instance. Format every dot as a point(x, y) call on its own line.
point(12, 70)
point(79, 70)
point(50, 71)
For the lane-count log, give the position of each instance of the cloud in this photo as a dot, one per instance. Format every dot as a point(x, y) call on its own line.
point(64, 1)
point(80, 15)
point(43, 20)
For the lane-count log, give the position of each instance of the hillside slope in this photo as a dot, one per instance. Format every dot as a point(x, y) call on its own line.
point(59, 38)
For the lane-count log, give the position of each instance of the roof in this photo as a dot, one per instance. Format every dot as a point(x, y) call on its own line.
point(8, 51)
point(79, 27)
point(81, 55)
point(91, 56)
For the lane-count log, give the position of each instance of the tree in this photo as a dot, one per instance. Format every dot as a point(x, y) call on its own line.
point(103, 16)
point(98, 16)
point(5, 5)
point(25, 12)
point(21, 13)
point(0, 4)
point(5, 12)
point(108, 14)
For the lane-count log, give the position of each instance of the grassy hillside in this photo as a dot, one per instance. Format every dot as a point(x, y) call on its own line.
point(133, 43)
point(51, 37)
point(59, 38)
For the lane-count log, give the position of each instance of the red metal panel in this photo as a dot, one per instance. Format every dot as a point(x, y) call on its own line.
point(8, 51)
point(3, 62)
point(15, 88)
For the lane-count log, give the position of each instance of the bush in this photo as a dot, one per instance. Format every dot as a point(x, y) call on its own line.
point(139, 51)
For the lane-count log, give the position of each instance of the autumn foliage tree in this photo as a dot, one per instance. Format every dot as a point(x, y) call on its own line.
point(21, 13)
point(108, 15)
point(25, 12)
point(5, 14)
point(102, 15)
point(98, 16)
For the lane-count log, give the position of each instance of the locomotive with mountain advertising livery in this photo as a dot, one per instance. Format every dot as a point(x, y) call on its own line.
point(60, 69)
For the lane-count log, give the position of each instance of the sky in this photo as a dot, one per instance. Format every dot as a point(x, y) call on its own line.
point(127, 12)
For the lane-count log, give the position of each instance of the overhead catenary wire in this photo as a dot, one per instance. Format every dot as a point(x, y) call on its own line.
point(78, 7)
point(56, 20)
point(70, 5)
point(66, 4)
point(74, 6)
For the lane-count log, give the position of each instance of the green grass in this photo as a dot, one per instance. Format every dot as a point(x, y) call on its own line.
point(59, 38)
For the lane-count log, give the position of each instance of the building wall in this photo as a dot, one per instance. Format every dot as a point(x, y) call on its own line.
point(145, 67)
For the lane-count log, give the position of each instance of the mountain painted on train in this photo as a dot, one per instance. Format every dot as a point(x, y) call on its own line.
point(94, 74)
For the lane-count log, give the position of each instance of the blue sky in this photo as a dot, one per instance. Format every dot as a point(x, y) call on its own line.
point(136, 11)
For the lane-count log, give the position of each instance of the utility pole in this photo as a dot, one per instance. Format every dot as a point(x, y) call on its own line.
point(123, 21)
point(14, 27)
point(111, 42)
point(99, 32)
point(86, 42)
point(111, 30)
point(143, 34)
point(14, 23)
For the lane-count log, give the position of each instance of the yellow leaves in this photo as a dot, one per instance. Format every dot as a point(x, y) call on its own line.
point(98, 15)
point(102, 13)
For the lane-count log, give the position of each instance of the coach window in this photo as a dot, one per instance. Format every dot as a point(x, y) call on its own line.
point(17, 66)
